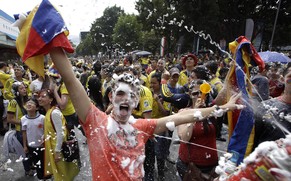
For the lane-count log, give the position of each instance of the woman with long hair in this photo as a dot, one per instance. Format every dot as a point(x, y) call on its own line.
point(15, 111)
point(199, 133)
point(55, 133)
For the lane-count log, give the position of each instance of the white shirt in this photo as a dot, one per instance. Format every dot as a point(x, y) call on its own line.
point(34, 129)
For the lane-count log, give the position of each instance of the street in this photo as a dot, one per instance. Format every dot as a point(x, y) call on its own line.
point(15, 171)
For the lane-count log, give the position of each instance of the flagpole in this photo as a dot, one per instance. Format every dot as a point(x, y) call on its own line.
point(274, 27)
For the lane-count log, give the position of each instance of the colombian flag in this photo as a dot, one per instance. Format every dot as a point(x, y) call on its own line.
point(43, 29)
point(241, 122)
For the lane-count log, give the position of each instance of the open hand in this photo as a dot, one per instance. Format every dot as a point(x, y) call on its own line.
point(231, 104)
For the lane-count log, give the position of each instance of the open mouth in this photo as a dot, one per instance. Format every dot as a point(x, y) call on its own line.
point(123, 109)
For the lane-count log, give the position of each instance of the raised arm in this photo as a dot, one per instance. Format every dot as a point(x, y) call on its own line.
point(187, 116)
point(76, 91)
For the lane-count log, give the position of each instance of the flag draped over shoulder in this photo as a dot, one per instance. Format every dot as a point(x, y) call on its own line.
point(42, 29)
point(241, 122)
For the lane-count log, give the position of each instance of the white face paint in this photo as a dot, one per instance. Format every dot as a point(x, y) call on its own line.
point(124, 100)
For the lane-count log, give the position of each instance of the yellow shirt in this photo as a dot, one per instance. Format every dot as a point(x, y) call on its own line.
point(145, 61)
point(183, 78)
point(145, 102)
point(69, 109)
point(8, 86)
point(156, 113)
point(61, 170)
point(145, 79)
point(217, 83)
point(3, 78)
point(13, 107)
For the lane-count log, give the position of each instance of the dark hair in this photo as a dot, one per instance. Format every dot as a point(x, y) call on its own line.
point(33, 100)
point(50, 94)
point(94, 86)
point(129, 69)
point(97, 67)
point(158, 76)
point(2, 64)
point(19, 99)
point(201, 72)
point(212, 66)
point(129, 59)
point(119, 70)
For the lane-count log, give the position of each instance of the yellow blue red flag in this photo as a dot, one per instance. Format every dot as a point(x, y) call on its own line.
point(241, 122)
point(42, 29)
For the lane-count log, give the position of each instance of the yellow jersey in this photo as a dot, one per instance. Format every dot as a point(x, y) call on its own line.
point(7, 93)
point(156, 113)
point(13, 107)
point(145, 102)
point(183, 78)
point(69, 109)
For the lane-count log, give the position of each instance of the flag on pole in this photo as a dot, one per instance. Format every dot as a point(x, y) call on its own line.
point(241, 122)
point(41, 30)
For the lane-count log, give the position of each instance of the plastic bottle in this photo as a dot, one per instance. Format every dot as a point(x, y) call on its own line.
point(230, 165)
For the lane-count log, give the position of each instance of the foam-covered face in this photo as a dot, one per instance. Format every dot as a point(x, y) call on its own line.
point(124, 100)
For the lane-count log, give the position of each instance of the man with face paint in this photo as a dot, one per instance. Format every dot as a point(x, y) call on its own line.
point(116, 141)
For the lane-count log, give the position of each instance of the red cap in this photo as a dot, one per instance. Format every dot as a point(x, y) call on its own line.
point(192, 56)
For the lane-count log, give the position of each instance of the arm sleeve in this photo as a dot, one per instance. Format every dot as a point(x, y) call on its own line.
point(23, 123)
point(57, 121)
point(178, 100)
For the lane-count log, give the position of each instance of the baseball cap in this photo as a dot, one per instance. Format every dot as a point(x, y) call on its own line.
point(174, 70)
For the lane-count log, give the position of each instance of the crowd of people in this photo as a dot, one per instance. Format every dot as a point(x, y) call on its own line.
point(127, 106)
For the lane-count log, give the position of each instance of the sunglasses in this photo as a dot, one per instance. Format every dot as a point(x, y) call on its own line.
point(195, 93)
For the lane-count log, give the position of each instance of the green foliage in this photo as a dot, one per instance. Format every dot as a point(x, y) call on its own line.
point(127, 32)
point(102, 29)
point(222, 19)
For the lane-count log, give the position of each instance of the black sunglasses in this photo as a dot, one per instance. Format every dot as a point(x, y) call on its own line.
point(195, 93)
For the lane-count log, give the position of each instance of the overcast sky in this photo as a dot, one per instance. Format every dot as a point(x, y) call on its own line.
point(78, 14)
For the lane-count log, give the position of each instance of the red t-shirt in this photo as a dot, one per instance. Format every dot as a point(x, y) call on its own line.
point(117, 151)
point(199, 155)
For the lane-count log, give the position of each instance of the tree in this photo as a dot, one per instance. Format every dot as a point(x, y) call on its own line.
point(85, 47)
point(102, 29)
point(127, 33)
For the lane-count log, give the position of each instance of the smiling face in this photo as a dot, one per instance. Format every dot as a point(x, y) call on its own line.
point(189, 62)
point(18, 72)
point(43, 99)
point(155, 84)
point(124, 99)
point(31, 106)
point(161, 65)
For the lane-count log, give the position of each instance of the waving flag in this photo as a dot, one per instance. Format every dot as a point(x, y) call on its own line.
point(241, 122)
point(42, 30)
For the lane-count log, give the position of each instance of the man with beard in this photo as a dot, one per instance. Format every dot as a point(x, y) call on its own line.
point(116, 141)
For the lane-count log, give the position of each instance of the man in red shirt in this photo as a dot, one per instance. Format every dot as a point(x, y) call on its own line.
point(116, 141)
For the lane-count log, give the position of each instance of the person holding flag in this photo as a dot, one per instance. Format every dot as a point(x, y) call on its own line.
point(117, 141)
point(241, 122)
